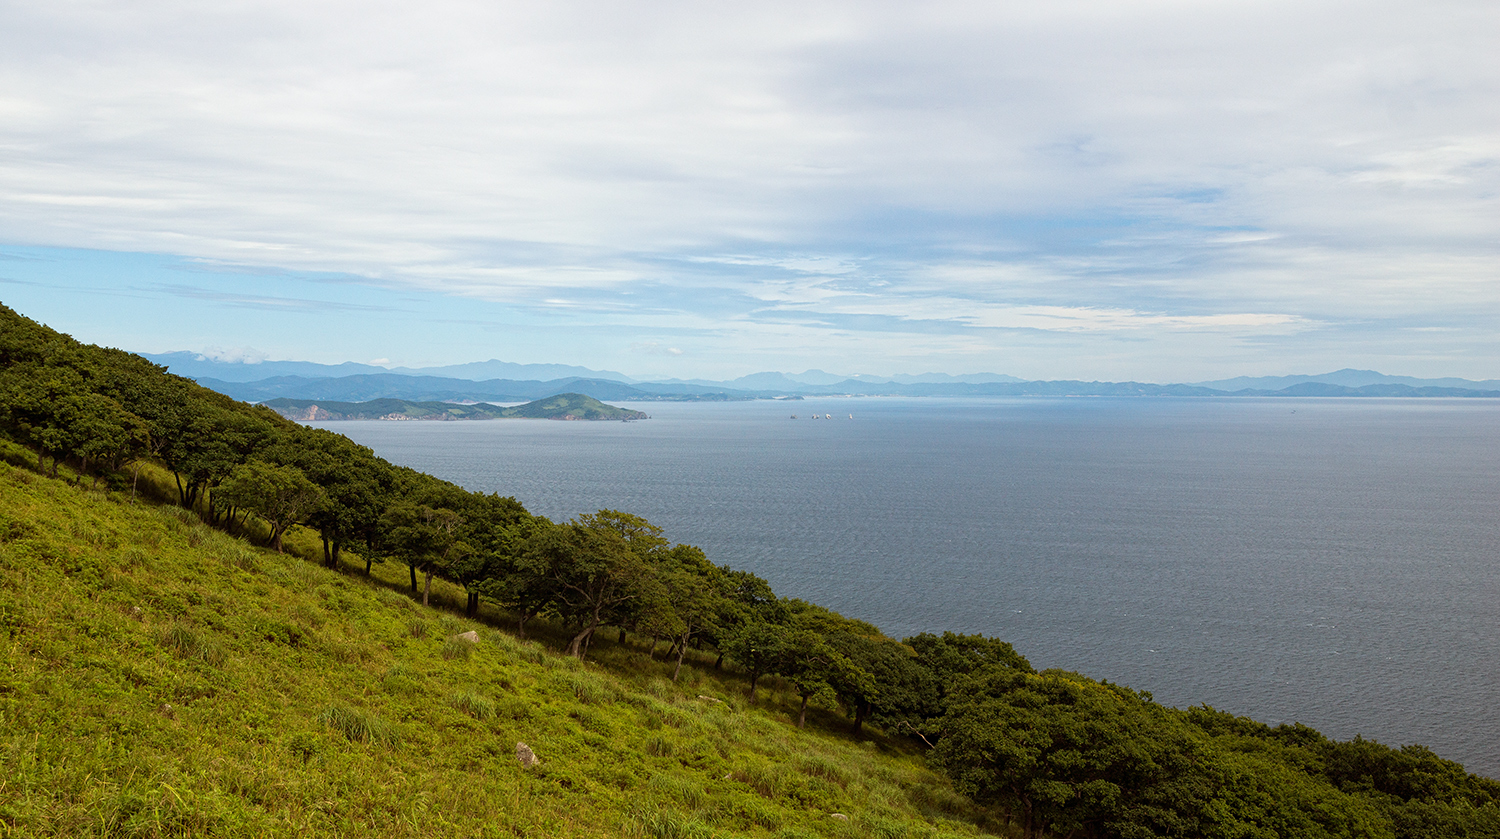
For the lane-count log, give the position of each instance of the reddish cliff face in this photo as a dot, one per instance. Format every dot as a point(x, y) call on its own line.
point(312, 413)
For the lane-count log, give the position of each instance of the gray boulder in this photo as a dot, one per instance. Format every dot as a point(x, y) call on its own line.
point(526, 756)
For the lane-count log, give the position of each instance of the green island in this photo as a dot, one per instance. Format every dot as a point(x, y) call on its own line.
point(219, 622)
point(563, 406)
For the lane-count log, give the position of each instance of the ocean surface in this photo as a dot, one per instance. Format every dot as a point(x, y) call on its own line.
point(1331, 562)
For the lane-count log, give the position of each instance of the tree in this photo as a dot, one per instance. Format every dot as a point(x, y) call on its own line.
point(357, 483)
point(494, 529)
point(594, 565)
point(693, 593)
point(281, 495)
point(105, 433)
point(758, 646)
point(513, 578)
point(1071, 756)
point(816, 670)
point(744, 599)
point(894, 690)
point(427, 538)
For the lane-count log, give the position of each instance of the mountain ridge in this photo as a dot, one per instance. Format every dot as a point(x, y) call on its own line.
point(222, 374)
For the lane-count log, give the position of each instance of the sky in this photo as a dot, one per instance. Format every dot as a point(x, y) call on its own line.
point(1130, 189)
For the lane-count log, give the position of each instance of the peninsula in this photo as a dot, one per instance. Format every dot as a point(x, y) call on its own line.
point(563, 406)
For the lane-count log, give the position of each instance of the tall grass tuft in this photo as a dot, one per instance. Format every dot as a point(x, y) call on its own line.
point(821, 767)
point(358, 726)
point(681, 789)
point(401, 679)
point(476, 705)
point(457, 649)
point(531, 651)
point(670, 824)
point(769, 781)
point(189, 643)
point(660, 745)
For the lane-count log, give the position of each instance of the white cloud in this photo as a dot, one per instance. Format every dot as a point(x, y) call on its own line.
point(654, 348)
point(1080, 166)
point(233, 355)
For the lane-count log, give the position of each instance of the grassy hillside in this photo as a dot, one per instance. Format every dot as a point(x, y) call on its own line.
point(572, 406)
point(311, 410)
point(161, 678)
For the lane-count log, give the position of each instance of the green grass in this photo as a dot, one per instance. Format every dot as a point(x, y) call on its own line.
point(160, 678)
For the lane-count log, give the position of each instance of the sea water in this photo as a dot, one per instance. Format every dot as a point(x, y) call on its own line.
point(1325, 561)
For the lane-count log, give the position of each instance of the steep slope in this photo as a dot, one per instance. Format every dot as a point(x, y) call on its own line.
point(160, 678)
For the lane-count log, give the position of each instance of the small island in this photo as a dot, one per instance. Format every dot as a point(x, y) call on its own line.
point(563, 406)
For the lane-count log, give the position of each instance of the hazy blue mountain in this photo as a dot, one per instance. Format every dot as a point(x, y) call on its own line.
point(195, 366)
point(362, 388)
point(776, 381)
point(817, 379)
point(1383, 389)
point(944, 378)
point(365, 388)
point(504, 381)
point(812, 377)
point(479, 371)
point(1344, 378)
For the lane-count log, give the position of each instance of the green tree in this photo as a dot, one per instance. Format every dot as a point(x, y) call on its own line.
point(427, 538)
point(744, 599)
point(494, 528)
point(817, 671)
point(105, 433)
point(758, 646)
point(280, 495)
point(693, 589)
point(594, 565)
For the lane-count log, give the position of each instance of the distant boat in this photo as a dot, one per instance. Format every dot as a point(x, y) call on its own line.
point(828, 416)
point(851, 416)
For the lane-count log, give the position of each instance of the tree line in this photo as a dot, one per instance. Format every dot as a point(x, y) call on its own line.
point(1064, 755)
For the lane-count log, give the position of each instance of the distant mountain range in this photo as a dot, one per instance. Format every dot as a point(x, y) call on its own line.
point(196, 365)
point(473, 383)
point(363, 388)
point(1345, 378)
